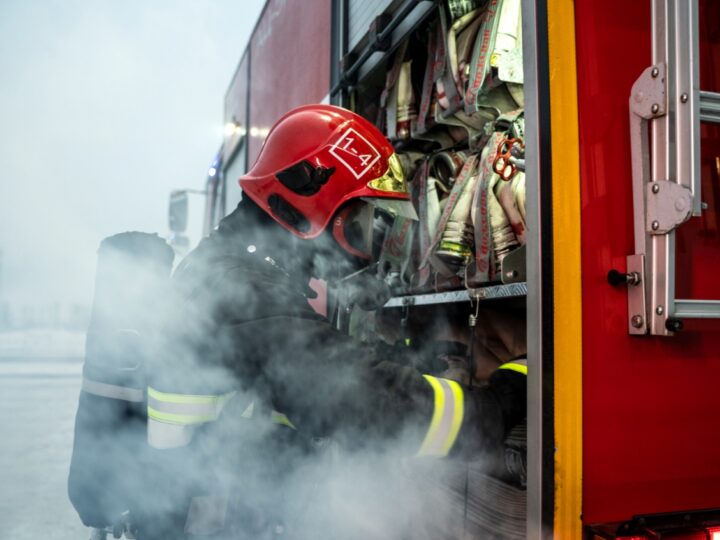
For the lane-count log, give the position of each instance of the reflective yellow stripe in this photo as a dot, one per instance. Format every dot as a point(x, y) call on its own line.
point(282, 419)
point(185, 409)
point(459, 398)
point(183, 419)
point(513, 366)
point(437, 414)
point(181, 398)
point(447, 417)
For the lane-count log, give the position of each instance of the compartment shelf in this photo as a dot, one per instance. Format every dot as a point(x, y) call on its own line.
point(490, 292)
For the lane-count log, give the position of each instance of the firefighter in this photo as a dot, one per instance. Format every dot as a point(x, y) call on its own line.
point(244, 349)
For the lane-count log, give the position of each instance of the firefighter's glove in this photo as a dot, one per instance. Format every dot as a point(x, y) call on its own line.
point(433, 356)
point(492, 411)
point(429, 357)
point(509, 386)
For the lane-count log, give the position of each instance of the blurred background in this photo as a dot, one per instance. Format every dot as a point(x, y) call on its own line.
point(105, 107)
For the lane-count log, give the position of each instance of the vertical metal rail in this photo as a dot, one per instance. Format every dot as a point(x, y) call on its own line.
point(540, 483)
point(686, 98)
point(661, 248)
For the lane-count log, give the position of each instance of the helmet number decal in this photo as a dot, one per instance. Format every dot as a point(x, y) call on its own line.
point(355, 152)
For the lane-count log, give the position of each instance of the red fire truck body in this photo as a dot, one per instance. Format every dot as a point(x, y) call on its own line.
point(623, 404)
point(650, 404)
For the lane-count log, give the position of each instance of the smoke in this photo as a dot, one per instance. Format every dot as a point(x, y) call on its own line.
point(106, 107)
point(235, 324)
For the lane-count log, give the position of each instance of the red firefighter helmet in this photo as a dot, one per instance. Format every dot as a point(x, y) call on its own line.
point(315, 159)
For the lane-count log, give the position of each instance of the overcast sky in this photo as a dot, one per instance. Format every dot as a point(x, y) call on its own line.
point(105, 106)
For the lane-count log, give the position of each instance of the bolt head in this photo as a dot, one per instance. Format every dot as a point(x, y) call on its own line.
point(636, 321)
point(655, 225)
point(655, 108)
point(704, 205)
point(681, 205)
point(684, 98)
point(656, 188)
point(655, 72)
point(659, 310)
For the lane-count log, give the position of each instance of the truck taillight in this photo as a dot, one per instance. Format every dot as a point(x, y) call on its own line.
point(710, 533)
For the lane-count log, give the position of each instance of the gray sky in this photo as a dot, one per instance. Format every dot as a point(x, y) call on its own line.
point(105, 106)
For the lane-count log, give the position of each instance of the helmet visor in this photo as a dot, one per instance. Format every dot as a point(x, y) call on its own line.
point(362, 226)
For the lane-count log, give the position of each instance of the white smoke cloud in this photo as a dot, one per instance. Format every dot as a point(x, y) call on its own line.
point(105, 108)
point(342, 474)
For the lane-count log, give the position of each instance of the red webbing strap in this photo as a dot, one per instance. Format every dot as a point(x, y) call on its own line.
point(460, 27)
point(481, 56)
point(506, 192)
point(484, 256)
point(384, 122)
point(448, 97)
point(465, 45)
point(428, 84)
point(466, 175)
point(419, 196)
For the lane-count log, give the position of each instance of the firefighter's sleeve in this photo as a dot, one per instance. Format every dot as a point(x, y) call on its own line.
point(473, 421)
point(329, 385)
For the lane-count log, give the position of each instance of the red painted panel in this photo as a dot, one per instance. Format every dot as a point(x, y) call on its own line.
point(235, 109)
point(290, 62)
point(650, 405)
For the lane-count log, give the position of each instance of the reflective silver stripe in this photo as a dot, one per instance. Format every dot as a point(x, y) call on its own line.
point(249, 410)
point(447, 417)
point(162, 435)
point(112, 391)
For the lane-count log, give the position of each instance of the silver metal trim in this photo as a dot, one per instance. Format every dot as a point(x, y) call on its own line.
point(660, 250)
point(697, 309)
point(491, 292)
point(709, 107)
point(667, 206)
point(685, 42)
point(509, 290)
point(535, 443)
point(647, 100)
point(448, 297)
point(637, 308)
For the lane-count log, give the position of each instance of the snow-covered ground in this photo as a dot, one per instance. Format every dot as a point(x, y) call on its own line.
point(39, 385)
point(41, 344)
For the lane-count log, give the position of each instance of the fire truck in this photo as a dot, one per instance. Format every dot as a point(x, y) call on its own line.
point(619, 151)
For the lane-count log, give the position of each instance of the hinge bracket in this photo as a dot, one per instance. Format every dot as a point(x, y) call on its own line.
point(667, 206)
